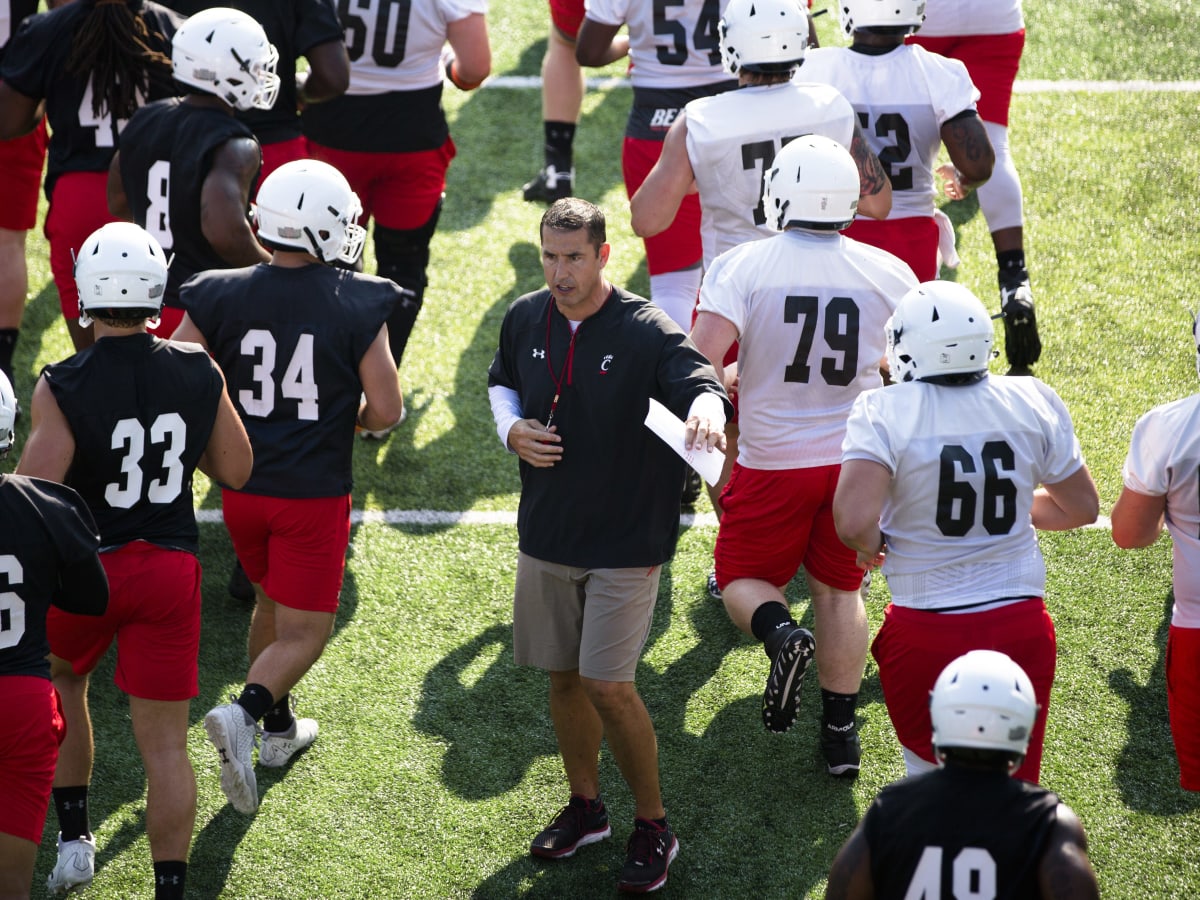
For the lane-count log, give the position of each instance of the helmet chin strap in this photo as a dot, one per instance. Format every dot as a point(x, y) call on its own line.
point(312, 239)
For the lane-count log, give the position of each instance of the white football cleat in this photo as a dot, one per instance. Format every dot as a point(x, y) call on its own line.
point(231, 730)
point(278, 747)
point(75, 868)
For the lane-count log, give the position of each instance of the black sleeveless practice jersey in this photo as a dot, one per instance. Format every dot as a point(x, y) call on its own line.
point(44, 527)
point(12, 14)
point(141, 410)
point(983, 830)
point(294, 27)
point(166, 153)
point(35, 64)
point(290, 342)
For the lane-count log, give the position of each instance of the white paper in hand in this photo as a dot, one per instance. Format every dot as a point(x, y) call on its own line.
point(671, 429)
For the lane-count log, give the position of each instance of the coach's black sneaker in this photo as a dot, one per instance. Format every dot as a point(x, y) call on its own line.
point(842, 750)
point(781, 699)
point(549, 185)
point(1022, 345)
point(648, 856)
point(579, 823)
point(239, 586)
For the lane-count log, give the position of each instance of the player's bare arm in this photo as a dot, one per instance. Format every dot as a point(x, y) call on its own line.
point(713, 335)
point(187, 332)
point(228, 457)
point(863, 486)
point(970, 150)
point(850, 874)
point(1137, 519)
point(1065, 872)
point(18, 114)
point(383, 407)
point(50, 448)
point(224, 198)
point(118, 203)
point(875, 189)
point(599, 44)
point(1070, 503)
point(328, 73)
point(472, 62)
point(653, 207)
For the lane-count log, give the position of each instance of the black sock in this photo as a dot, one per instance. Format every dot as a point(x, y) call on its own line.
point(256, 700)
point(169, 876)
point(560, 140)
point(71, 804)
point(279, 717)
point(8, 346)
point(650, 824)
point(837, 711)
point(771, 623)
point(1011, 266)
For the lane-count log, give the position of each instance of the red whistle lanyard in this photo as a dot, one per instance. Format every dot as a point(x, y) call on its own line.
point(565, 371)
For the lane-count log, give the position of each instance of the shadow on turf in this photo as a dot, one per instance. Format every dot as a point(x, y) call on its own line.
point(721, 786)
point(1147, 773)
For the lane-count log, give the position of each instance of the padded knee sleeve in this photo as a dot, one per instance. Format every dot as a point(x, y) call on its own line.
point(1000, 196)
point(675, 293)
point(403, 257)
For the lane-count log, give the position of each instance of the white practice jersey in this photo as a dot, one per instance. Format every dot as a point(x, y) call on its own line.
point(732, 140)
point(965, 461)
point(1164, 460)
point(809, 310)
point(671, 45)
point(902, 99)
point(957, 17)
point(398, 46)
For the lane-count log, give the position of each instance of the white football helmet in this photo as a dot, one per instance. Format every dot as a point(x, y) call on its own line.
point(813, 183)
point(308, 205)
point(902, 16)
point(8, 414)
point(226, 52)
point(938, 328)
point(762, 35)
point(120, 266)
point(985, 701)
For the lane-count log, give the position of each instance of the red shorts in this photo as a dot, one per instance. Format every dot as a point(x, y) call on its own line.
point(276, 154)
point(21, 162)
point(567, 16)
point(678, 247)
point(913, 646)
point(294, 547)
point(154, 614)
point(78, 206)
point(913, 239)
point(992, 60)
point(31, 729)
point(401, 190)
point(1183, 702)
point(775, 521)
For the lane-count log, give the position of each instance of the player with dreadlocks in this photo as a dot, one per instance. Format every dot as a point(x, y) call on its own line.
point(93, 63)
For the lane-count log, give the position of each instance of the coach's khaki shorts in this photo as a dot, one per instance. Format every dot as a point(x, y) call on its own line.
point(593, 620)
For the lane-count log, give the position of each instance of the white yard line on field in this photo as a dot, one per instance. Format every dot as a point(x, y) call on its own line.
point(526, 82)
point(498, 517)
